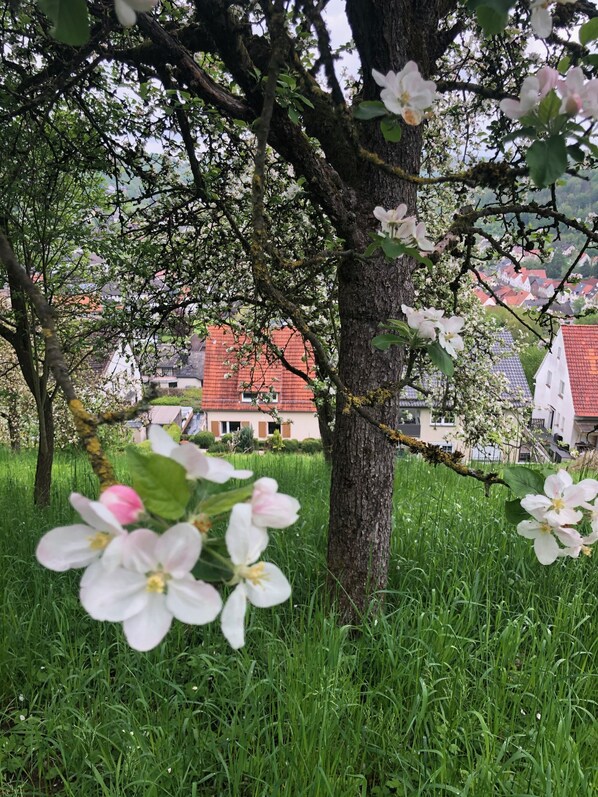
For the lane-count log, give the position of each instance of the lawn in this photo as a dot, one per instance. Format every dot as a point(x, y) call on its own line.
point(480, 678)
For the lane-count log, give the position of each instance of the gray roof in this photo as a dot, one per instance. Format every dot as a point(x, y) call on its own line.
point(509, 365)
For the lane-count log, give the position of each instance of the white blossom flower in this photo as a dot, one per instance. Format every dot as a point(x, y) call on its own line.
point(558, 507)
point(546, 546)
point(533, 90)
point(197, 464)
point(448, 337)
point(260, 583)
point(81, 544)
point(153, 585)
point(578, 97)
point(391, 220)
point(425, 322)
point(541, 19)
point(126, 10)
point(271, 509)
point(406, 93)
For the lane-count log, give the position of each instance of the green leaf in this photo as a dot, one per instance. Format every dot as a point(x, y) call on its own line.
point(400, 327)
point(223, 502)
point(514, 512)
point(384, 342)
point(523, 481)
point(591, 60)
point(547, 160)
point(576, 153)
point(549, 108)
point(293, 115)
point(373, 247)
point(491, 21)
point(210, 566)
point(392, 247)
point(369, 110)
point(391, 129)
point(71, 22)
point(520, 132)
point(589, 31)
point(563, 64)
point(305, 101)
point(441, 359)
point(161, 483)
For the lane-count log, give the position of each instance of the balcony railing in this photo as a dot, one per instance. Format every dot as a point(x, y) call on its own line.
point(412, 429)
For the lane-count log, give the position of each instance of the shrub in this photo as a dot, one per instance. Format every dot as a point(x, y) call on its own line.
point(174, 431)
point(145, 447)
point(226, 438)
point(244, 440)
point(219, 448)
point(203, 439)
point(311, 446)
point(274, 443)
point(290, 446)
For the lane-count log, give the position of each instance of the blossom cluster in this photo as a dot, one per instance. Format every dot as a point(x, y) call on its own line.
point(144, 579)
point(404, 228)
point(556, 515)
point(541, 19)
point(406, 93)
point(578, 96)
point(430, 323)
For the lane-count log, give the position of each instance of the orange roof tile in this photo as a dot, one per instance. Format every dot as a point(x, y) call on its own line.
point(581, 351)
point(223, 386)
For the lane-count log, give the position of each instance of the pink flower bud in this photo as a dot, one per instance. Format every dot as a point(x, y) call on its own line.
point(123, 502)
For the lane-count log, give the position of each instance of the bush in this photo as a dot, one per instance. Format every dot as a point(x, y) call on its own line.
point(227, 438)
point(203, 439)
point(219, 448)
point(167, 401)
point(244, 441)
point(174, 431)
point(290, 446)
point(311, 446)
point(274, 443)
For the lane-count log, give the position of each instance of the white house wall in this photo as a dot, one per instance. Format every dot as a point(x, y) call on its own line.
point(547, 396)
point(122, 376)
point(303, 424)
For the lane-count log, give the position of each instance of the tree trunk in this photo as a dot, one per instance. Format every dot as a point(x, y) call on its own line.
point(387, 33)
point(45, 454)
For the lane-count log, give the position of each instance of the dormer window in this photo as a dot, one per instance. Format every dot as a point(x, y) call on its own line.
point(249, 397)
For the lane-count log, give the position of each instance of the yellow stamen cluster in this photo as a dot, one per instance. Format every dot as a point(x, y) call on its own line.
point(558, 504)
point(99, 541)
point(203, 523)
point(255, 573)
point(156, 582)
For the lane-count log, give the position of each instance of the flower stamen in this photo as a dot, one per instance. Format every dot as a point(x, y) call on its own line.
point(99, 541)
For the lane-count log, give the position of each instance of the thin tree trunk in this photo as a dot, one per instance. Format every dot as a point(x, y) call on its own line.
point(45, 455)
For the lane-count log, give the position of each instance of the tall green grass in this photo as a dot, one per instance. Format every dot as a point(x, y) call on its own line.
point(479, 679)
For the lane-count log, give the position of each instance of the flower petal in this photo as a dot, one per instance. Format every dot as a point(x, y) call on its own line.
point(114, 596)
point(556, 483)
point(96, 515)
point(546, 548)
point(529, 529)
point(232, 618)
point(140, 551)
point(244, 541)
point(125, 14)
point(147, 628)
point(193, 602)
point(271, 589)
point(178, 549)
point(66, 547)
point(162, 443)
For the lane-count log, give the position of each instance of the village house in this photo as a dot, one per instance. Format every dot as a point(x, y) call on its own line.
point(566, 388)
point(249, 389)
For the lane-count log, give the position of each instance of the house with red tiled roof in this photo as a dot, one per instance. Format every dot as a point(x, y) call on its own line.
point(566, 390)
point(247, 385)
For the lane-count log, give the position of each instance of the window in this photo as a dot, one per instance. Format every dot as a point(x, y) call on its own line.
point(446, 447)
point(548, 378)
point(227, 427)
point(172, 384)
point(273, 427)
point(561, 388)
point(249, 397)
point(443, 420)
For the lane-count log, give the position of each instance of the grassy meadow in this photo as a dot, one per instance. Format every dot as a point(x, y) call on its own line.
point(479, 680)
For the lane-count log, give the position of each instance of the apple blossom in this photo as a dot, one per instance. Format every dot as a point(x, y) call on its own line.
point(126, 10)
point(448, 337)
point(153, 585)
point(260, 583)
point(406, 93)
point(558, 507)
point(546, 546)
point(81, 544)
point(425, 322)
point(123, 502)
point(533, 90)
point(578, 97)
point(541, 19)
point(197, 464)
point(272, 509)
point(390, 220)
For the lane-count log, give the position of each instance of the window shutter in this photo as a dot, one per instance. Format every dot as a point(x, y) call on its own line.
point(286, 430)
point(245, 424)
point(215, 427)
point(262, 429)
